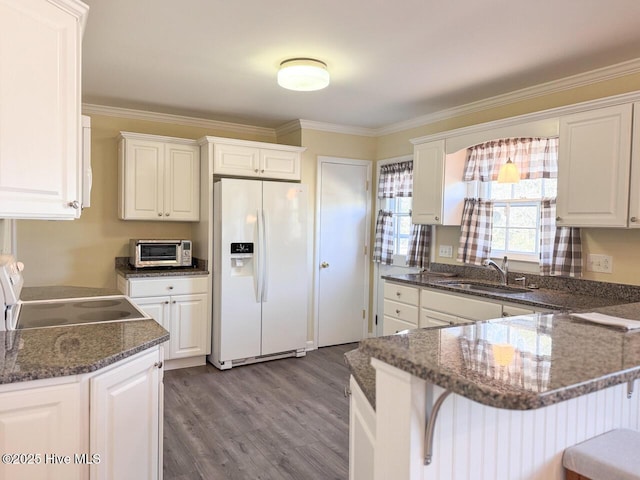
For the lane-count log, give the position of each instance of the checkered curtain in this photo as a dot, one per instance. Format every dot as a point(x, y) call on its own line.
point(534, 157)
point(560, 247)
point(475, 237)
point(396, 180)
point(418, 254)
point(383, 246)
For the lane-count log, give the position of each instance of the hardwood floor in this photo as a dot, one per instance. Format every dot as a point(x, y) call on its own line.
point(283, 419)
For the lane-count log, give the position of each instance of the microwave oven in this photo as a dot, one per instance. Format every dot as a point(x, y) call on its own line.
point(159, 253)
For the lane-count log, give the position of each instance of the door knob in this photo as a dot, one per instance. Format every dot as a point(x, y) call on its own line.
point(324, 265)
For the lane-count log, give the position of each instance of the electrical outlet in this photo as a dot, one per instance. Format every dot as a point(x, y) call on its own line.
point(600, 263)
point(446, 251)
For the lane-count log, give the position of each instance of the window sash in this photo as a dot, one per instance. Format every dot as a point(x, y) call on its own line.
point(508, 227)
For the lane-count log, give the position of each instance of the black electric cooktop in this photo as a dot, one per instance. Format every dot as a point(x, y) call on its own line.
point(77, 311)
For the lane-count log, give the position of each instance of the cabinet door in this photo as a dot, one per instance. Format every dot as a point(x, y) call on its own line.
point(428, 183)
point(181, 183)
point(634, 194)
point(594, 156)
point(40, 151)
point(188, 326)
point(142, 171)
point(156, 307)
point(236, 160)
point(362, 434)
point(464, 306)
point(279, 164)
point(42, 421)
point(125, 419)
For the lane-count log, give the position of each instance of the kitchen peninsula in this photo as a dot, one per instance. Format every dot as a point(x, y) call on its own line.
point(506, 396)
point(89, 392)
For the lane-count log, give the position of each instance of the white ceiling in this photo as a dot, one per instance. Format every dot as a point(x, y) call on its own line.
point(390, 61)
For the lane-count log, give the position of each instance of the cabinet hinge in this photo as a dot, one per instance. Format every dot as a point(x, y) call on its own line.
point(365, 250)
point(364, 313)
point(376, 320)
point(366, 185)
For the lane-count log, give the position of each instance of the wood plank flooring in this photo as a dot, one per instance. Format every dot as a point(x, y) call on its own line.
point(278, 420)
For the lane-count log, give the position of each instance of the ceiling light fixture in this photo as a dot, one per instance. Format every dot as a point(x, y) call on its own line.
point(509, 173)
point(303, 74)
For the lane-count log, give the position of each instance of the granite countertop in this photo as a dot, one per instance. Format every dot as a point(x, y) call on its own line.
point(360, 365)
point(61, 351)
point(127, 271)
point(518, 363)
point(69, 350)
point(542, 298)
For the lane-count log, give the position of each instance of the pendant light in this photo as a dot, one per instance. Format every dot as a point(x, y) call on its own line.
point(303, 74)
point(509, 173)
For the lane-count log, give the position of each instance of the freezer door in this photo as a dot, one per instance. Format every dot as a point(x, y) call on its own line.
point(237, 304)
point(286, 279)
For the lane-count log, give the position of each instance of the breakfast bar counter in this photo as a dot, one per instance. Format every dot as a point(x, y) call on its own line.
point(497, 399)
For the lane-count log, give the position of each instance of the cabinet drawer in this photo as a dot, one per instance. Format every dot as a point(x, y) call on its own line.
point(393, 325)
point(431, 318)
point(402, 311)
point(401, 293)
point(510, 311)
point(460, 306)
point(149, 287)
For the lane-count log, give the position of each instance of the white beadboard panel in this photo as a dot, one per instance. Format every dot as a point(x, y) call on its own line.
point(475, 442)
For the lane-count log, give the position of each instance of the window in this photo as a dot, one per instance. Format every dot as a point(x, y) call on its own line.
point(401, 209)
point(516, 217)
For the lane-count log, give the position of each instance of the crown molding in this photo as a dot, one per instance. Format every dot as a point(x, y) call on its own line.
point(583, 79)
point(93, 109)
point(336, 128)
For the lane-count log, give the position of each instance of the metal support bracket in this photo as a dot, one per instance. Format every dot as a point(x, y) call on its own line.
point(431, 426)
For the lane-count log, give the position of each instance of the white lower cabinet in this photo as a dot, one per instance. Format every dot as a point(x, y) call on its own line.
point(362, 434)
point(37, 422)
point(125, 420)
point(181, 306)
point(400, 308)
point(101, 425)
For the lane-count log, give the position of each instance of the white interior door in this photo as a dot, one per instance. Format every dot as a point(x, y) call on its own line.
point(343, 250)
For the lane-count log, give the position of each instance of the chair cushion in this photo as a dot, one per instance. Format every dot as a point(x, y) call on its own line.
point(614, 455)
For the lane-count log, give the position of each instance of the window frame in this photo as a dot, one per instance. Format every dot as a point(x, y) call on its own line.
point(537, 202)
point(391, 204)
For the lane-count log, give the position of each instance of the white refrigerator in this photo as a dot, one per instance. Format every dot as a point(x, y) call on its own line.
point(260, 271)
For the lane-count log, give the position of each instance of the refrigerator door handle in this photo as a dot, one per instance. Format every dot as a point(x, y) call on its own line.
point(265, 257)
point(258, 254)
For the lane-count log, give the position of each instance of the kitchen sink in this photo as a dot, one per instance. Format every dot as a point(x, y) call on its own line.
point(484, 287)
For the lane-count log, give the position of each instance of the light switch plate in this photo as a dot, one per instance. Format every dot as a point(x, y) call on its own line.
point(446, 251)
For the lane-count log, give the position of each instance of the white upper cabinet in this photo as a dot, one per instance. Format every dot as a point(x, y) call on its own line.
point(240, 158)
point(438, 189)
point(634, 194)
point(594, 159)
point(40, 127)
point(159, 178)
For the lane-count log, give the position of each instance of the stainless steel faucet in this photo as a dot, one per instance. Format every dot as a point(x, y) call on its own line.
point(503, 271)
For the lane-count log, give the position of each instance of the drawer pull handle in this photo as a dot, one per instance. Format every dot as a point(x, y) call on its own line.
point(397, 311)
point(158, 364)
point(633, 219)
point(170, 287)
point(398, 294)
